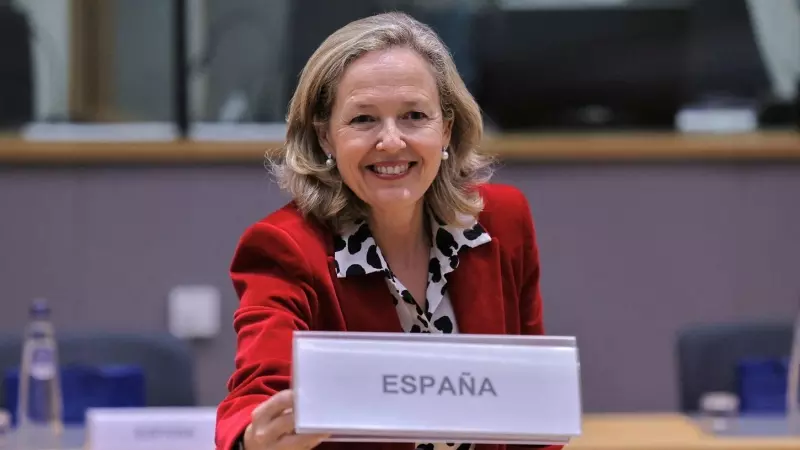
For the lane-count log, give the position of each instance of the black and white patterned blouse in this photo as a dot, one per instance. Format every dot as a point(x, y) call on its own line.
point(357, 253)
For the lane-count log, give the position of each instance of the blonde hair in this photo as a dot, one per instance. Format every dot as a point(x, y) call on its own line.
point(318, 190)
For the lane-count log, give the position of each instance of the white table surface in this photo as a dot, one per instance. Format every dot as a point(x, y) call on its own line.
point(72, 439)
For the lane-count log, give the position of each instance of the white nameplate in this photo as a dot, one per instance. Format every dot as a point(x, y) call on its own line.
point(150, 428)
point(398, 387)
point(717, 120)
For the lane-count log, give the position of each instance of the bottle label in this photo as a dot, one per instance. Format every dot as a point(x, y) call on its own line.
point(43, 364)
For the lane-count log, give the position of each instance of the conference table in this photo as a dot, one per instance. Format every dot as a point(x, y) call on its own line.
point(674, 432)
point(609, 432)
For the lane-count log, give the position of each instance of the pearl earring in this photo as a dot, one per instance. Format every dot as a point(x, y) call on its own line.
point(330, 162)
point(445, 153)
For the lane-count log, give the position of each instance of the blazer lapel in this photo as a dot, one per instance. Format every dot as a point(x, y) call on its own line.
point(476, 290)
point(365, 301)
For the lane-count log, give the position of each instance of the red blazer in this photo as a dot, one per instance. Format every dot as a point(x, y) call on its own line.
point(283, 271)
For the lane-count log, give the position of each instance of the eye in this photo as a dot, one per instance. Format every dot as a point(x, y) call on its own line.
point(361, 119)
point(415, 115)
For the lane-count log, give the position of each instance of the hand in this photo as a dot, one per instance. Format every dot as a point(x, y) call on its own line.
point(272, 426)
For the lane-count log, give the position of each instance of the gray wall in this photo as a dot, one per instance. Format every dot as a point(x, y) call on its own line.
point(630, 253)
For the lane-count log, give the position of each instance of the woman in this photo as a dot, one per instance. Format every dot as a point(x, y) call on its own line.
point(392, 227)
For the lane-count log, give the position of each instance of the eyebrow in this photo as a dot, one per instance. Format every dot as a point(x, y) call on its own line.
point(405, 103)
point(412, 103)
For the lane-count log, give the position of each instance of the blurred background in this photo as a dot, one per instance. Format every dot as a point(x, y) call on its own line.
point(656, 140)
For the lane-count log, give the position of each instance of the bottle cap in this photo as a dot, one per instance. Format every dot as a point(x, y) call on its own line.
point(719, 402)
point(40, 308)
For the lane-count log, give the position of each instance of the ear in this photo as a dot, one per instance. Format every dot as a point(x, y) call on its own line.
point(323, 137)
point(447, 132)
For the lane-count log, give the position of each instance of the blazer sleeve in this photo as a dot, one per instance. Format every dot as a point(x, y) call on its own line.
point(530, 293)
point(274, 284)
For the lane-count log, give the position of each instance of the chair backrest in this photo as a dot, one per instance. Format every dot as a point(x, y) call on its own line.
point(708, 355)
point(166, 361)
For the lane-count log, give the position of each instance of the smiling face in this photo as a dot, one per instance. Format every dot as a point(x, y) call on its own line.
point(386, 128)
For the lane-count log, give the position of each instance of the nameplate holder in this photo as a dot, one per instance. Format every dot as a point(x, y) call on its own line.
point(398, 387)
point(150, 428)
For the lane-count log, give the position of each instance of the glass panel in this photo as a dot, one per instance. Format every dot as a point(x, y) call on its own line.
point(87, 61)
point(34, 48)
point(142, 66)
point(532, 64)
point(240, 61)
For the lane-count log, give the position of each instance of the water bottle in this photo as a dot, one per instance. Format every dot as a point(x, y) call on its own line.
point(793, 382)
point(718, 412)
point(39, 414)
point(5, 427)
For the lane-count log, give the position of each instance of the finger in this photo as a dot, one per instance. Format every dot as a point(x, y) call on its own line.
point(304, 441)
point(271, 431)
point(274, 406)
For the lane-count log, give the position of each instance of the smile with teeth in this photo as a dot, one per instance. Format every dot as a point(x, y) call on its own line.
point(391, 170)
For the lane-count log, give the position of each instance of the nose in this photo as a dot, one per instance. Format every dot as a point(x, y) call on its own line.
point(391, 138)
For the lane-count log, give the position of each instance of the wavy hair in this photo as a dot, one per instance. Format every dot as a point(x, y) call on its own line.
point(319, 191)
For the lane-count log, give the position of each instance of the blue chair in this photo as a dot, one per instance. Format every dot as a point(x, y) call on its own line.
point(165, 362)
point(727, 357)
point(763, 384)
point(84, 387)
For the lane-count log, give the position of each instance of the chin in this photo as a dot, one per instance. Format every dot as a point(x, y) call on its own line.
point(397, 196)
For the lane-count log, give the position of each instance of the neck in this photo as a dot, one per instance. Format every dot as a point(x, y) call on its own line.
point(401, 235)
